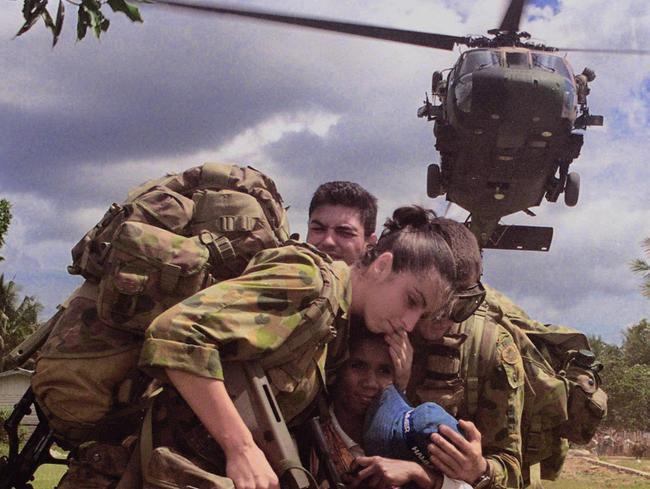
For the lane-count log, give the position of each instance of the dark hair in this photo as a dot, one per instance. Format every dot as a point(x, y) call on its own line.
point(464, 247)
point(417, 243)
point(362, 333)
point(348, 194)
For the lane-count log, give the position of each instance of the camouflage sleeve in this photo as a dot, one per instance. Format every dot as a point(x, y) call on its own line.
point(499, 414)
point(237, 319)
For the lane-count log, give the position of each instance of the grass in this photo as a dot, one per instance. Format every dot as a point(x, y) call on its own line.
point(47, 476)
point(642, 464)
point(579, 473)
point(615, 482)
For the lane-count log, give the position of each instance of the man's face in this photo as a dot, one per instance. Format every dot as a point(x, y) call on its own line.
point(338, 231)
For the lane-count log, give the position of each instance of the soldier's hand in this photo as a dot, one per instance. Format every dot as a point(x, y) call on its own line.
point(458, 457)
point(401, 353)
point(248, 467)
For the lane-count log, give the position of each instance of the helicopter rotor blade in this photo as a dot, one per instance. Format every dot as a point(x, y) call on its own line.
point(605, 51)
point(512, 17)
point(417, 38)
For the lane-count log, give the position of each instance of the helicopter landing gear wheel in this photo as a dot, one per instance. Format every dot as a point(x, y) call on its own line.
point(434, 181)
point(572, 189)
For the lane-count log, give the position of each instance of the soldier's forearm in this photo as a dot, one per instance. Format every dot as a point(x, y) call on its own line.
point(211, 403)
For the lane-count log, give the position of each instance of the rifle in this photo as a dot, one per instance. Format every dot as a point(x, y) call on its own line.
point(17, 469)
point(251, 393)
point(322, 452)
point(20, 354)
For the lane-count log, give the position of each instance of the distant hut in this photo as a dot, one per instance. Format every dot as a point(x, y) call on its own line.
point(13, 384)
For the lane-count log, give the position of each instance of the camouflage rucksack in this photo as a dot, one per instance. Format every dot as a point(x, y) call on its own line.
point(171, 238)
point(563, 399)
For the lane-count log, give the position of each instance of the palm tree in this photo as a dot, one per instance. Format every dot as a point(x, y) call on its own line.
point(17, 319)
point(642, 267)
point(5, 219)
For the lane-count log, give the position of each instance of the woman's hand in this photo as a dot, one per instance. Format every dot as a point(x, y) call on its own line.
point(248, 468)
point(384, 473)
point(455, 456)
point(246, 464)
point(401, 353)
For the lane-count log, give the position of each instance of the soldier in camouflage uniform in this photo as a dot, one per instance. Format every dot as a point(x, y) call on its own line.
point(493, 459)
point(283, 311)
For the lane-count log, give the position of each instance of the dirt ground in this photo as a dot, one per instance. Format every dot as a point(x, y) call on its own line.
point(580, 473)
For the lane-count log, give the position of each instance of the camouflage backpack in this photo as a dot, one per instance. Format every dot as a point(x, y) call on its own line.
point(171, 238)
point(563, 400)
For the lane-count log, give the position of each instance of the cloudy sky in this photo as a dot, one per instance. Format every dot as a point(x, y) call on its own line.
point(82, 123)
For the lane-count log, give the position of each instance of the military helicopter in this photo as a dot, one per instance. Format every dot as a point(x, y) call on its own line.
point(506, 118)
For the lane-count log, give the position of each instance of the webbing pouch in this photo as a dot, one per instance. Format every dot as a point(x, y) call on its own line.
point(158, 206)
point(149, 270)
point(237, 217)
point(586, 407)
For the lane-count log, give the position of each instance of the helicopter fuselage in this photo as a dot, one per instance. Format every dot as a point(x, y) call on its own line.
point(505, 129)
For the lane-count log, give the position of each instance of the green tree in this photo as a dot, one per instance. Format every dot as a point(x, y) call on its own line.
point(625, 377)
point(607, 354)
point(642, 267)
point(636, 345)
point(5, 219)
point(89, 15)
point(628, 393)
point(18, 318)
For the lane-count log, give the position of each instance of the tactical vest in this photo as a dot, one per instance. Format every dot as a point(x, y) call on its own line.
point(563, 400)
point(171, 238)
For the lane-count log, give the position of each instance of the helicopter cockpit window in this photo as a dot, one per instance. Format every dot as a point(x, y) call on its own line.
point(551, 63)
point(471, 62)
point(517, 59)
point(477, 60)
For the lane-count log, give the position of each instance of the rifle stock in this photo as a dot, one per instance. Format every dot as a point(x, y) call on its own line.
point(251, 393)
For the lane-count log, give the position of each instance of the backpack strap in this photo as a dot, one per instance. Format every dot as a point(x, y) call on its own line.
point(479, 352)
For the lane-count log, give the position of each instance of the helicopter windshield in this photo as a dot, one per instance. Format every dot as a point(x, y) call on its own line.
point(478, 59)
point(551, 63)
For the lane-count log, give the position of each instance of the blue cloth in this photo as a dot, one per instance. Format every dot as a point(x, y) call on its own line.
point(394, 429)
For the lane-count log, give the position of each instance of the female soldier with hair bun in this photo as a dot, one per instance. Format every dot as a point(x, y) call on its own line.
point(285, 308)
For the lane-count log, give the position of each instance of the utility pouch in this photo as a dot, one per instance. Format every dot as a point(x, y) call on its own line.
point(587, 405)
point(442, 382)
point(237, 219)
point(168, 469)
point(149, 270)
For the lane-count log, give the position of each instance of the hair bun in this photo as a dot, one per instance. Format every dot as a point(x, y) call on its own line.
point(413, 216)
